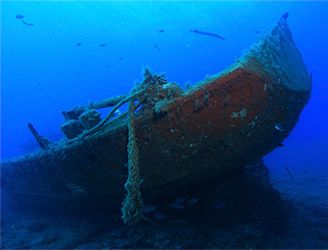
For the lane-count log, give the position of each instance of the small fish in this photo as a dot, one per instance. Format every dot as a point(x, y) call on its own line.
point(120, 58)
point(161, 31)
point(285, 15)
point(78, 44)
point(289, 173)
point(26, 23)
point(156, 46)
point(74, 188)
point(102, 44)
point(280, 145)
point(278, 126)
point(208, 34)
point(19, 16)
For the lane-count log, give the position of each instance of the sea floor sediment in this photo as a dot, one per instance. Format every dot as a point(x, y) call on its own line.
point(304, 224)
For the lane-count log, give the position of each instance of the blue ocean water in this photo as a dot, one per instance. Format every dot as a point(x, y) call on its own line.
point(44, 72)
point(56, 55)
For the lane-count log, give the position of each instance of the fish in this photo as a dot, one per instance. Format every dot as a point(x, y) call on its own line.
point(208, 34)
point(19, 16)
point(120, 58)
point(28, 24)
point(161, 31)
point(102, 44)
point(75, 189)
point(78, 44)
point(279, 127)
point(289, 173)
point(285, 15)
point(156, 46)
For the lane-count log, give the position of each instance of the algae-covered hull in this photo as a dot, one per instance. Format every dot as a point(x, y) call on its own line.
point(216, 127)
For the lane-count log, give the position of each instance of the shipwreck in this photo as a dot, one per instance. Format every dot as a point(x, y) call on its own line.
point(168, 139)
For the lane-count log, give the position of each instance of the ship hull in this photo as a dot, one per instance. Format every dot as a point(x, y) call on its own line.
point(212, 130)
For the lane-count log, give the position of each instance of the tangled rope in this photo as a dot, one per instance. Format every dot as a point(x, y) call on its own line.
point(132, 206)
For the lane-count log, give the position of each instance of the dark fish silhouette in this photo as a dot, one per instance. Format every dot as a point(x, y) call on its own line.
point(289, 173)
point(285, 15)
point(207, 34)
point(28, 24)
point(156, 46)
point(19, 16)
point(78, 44)
point(102, 44)
point(120, 58)
point(161, 31)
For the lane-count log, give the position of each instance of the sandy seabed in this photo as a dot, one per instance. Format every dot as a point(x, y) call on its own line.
point(305, 199)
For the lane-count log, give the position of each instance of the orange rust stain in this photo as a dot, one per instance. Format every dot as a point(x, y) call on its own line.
point(213, 108)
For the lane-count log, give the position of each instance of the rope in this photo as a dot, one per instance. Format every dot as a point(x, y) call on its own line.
point(132, 206)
